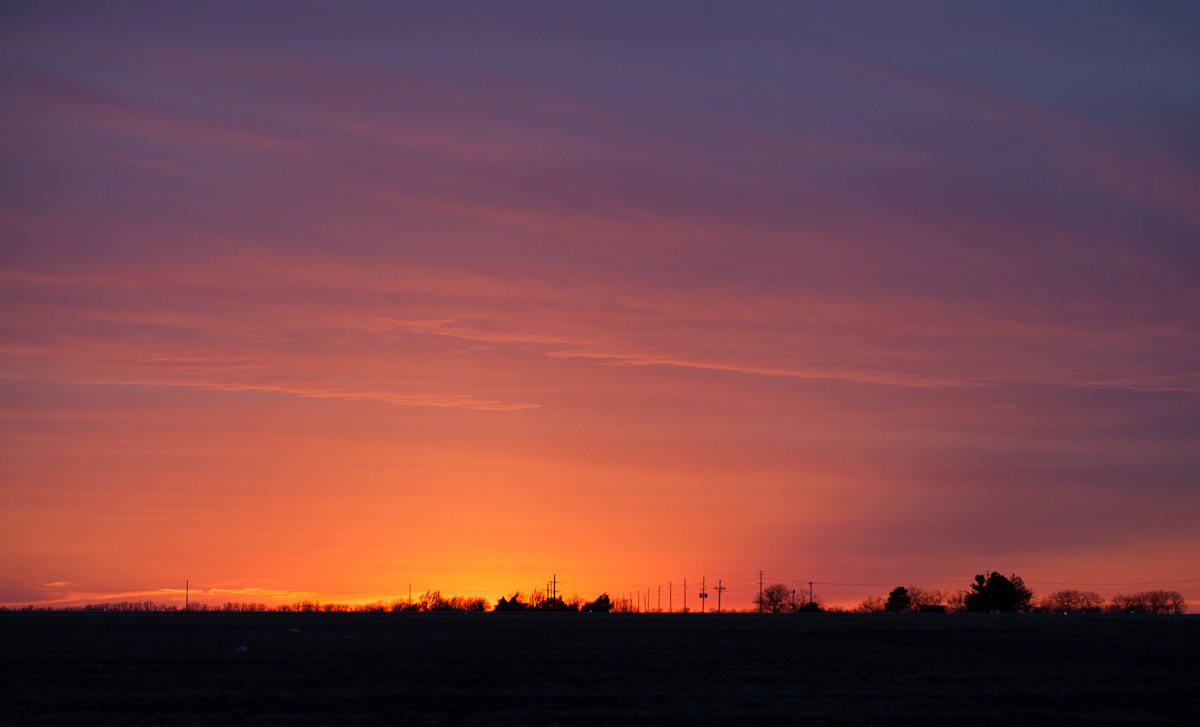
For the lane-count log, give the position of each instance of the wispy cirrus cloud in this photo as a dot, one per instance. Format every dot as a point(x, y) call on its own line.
point(758, 266)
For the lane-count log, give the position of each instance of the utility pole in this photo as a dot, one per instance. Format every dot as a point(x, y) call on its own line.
point(685, 595)
point(660, 599)
point(670, 596)
point(187, 592)
point(810, 592)
point(719, 589)
point(760, 591)
point(703, 592)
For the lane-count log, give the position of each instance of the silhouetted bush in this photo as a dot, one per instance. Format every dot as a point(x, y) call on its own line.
point(557, 604)
point(602, 604)
point(512, 603)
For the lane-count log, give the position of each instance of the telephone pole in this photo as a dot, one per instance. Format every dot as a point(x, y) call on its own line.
point(703, 592)
point(670, 596)
point(760, 591)
point(660, 599)
point(685, 595)
point(718, 589)
point(187, 593)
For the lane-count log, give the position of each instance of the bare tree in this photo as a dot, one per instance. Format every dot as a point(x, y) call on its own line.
point(433, 601)
point(871, 604)
point(922, 599)
point(1157, 602)
point(776, 598)
point(537, 597)
point(1072, 601)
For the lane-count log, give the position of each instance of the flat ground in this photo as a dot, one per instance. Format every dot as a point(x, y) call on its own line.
point(189, 668)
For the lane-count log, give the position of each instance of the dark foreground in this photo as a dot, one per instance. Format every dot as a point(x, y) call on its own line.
point(180, 669)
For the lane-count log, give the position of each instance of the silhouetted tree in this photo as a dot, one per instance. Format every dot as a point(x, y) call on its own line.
point(433, 601)
point(536, 597)
point(898, 600)
point(996, 594)
point(871, 604)
point(776, 598)
point(602, 604)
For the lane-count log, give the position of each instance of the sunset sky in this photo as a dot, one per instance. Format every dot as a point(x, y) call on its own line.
point(320, 300)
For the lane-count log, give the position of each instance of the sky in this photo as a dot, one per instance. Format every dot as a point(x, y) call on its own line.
point(333, 300)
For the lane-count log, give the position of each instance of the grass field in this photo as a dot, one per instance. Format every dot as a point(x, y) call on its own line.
point(532, 669)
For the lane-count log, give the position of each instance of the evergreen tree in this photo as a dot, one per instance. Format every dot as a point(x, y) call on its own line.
point(996, 594)
point(898, 600)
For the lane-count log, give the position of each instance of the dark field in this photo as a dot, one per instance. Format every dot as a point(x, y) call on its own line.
point(172, 669)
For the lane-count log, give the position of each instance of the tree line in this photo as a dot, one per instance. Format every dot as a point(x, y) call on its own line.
point(988, 593)
point(996, 593)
